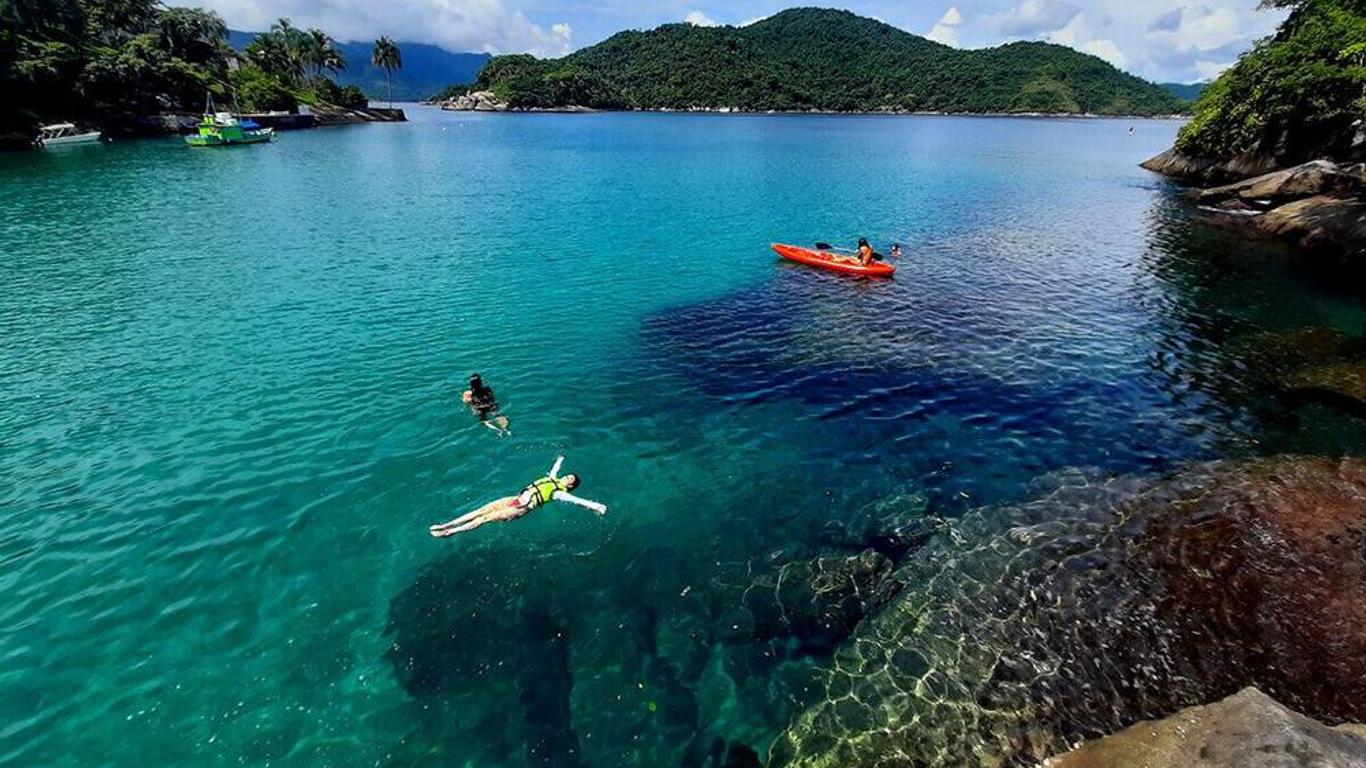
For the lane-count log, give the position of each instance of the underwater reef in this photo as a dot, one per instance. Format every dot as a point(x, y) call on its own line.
point(1025, 629)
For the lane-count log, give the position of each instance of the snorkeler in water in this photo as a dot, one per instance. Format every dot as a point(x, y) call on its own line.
point(479, 397)
point(550, 488)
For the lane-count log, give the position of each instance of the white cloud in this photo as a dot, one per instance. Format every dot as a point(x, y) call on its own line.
point(748, 22)
point(1032, 18)
point(1106, 49)
point(1180, 40)
point(1206, 29)
point(458, 25)
point(1208, 70)
point(699, 19)
point(946, 29)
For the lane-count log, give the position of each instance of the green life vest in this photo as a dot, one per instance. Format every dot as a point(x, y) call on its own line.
point(543, 490)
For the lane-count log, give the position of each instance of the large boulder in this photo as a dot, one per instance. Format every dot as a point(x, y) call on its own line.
point(1247, 730)
point(1032, 627)
point(476, 101)
point(1321, 222)
point(1182, 166)
point(1319, 177)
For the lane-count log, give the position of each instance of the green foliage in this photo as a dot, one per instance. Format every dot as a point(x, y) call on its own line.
point(1295, 96)
point(817, 59)
point(80, 58)
point(261, 91)
point(293, 55)
point(324, 90)
point(452, 91)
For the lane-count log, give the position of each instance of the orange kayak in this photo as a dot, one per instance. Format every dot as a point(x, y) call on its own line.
point(833, 261)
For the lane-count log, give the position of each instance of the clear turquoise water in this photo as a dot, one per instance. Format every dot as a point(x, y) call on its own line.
point(228, 410)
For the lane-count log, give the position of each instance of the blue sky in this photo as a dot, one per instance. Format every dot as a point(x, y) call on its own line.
point(1180, 40)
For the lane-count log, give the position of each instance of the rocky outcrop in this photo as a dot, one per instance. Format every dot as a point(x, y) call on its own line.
point(1317, 207)
point(487, 101)
point(1182, 166)
point(1319, 177)
point(1320, 223)
point(1029, 628)
point(1247, 730)
point(476, 101)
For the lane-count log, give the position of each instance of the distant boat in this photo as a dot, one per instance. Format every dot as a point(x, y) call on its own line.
point(62, 134)
point(224, 129)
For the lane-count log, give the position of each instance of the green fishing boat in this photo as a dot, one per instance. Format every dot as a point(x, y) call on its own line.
point(224, 129)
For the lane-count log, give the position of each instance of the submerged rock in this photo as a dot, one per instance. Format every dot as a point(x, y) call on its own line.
point(1270, 356)
point(1247, 730)
point(1075, 615)
point(815, 602)
point(1341, 384)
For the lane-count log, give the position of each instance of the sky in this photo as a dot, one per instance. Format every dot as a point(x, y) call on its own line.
point(1162, 40)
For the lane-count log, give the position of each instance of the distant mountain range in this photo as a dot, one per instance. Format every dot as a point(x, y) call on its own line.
point(821, 59)
point(426, 68)
point(1185, 91)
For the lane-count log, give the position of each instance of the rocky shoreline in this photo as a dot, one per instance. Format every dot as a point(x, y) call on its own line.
point(181, 123)
point(486, 101)
point(1318, 207)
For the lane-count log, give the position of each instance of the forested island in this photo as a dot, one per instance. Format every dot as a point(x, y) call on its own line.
point(812, 59)
point(117, 63)
point(1285, 126)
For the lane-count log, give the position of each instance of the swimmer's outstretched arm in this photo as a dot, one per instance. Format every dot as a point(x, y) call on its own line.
point(566, 496)
point(555, 470)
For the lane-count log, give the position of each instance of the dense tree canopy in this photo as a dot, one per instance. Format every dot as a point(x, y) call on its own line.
point(1296, 95)
point(98, 59)
point(63, 58)
point(816, 59)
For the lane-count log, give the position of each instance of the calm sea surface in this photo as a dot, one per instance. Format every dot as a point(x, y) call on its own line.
point(229, 409)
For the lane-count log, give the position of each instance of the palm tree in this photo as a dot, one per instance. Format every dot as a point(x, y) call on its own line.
point(293, 45)
point(192, 34)
point(387, 57)
point(322, 53)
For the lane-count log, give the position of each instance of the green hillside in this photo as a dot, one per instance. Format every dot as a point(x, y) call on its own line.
point(1297, 95)
point(820, 59)
point(1185, 91)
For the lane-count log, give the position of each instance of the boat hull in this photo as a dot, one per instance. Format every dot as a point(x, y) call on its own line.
point(217, 141)
point(66, 141)
point(833, 261)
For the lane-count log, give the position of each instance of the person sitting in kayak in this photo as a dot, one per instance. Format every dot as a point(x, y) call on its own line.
point(550, 488)
point(479, 397)
point(865, 252)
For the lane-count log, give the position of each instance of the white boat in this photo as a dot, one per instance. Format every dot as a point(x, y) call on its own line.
point(59, 134)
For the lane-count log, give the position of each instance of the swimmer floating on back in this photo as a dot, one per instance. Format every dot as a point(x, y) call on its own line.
point(479, 397)
point(550, 488)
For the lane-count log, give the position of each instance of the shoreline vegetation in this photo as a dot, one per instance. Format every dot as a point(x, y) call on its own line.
point(138, 67)
point(1282, 136)
point(813, 60)
point(486, 101)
